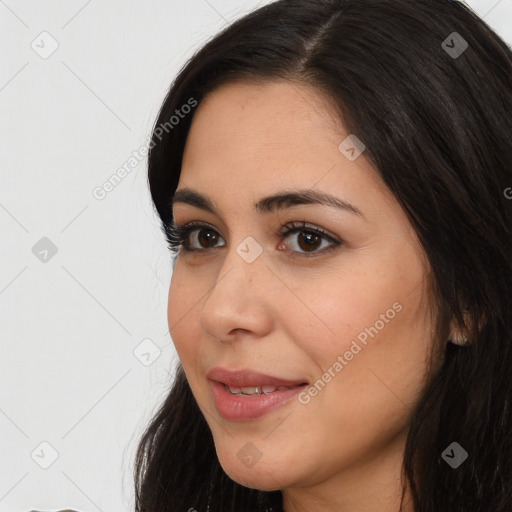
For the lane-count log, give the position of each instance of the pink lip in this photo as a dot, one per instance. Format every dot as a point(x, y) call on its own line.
point(243, 408)
point(246, 378)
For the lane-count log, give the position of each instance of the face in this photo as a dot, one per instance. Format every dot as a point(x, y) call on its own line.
point(342, 311)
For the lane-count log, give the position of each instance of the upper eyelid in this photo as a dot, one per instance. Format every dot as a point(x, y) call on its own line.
point(295, 226)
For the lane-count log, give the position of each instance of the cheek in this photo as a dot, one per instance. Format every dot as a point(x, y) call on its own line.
point(338, 314)
point(371, 347)
point(380, 311)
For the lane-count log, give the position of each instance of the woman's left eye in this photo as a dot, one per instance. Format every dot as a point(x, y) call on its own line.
point(311, 240)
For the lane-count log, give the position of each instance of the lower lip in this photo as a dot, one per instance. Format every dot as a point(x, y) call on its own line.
point(242, 408)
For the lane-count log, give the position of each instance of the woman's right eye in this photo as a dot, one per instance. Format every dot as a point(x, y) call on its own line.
point(203, 237)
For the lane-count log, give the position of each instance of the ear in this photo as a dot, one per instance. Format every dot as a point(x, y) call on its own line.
point(457, 338)
point(456, 334)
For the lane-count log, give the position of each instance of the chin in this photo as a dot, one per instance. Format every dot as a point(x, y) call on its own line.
point(264, 475)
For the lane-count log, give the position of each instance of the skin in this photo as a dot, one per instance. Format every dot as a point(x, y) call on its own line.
point(291, 315)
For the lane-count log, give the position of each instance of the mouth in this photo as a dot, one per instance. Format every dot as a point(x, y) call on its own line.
point(247, 395)
point(258, 390)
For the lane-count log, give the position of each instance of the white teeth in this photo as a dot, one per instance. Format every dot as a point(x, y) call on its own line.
point(250, 390)
point(255, 390)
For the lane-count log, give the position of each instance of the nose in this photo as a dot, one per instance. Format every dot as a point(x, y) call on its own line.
point(241, 300)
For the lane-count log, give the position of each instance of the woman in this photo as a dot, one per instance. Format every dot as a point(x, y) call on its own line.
point(332, 177)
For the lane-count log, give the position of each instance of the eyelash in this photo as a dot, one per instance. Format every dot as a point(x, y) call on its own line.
point(178, 236)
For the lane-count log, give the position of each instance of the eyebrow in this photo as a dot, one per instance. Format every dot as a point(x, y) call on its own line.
point(269, 204)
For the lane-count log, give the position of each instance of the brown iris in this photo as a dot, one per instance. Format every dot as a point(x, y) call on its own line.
point(208, 236)
point(310, 240)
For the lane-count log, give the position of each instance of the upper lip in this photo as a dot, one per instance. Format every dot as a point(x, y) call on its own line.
point(249, 378)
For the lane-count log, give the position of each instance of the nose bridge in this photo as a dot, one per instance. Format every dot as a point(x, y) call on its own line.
point(244, 264)
point(235, 301)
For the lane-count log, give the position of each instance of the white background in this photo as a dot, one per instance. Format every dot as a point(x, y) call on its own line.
point(69, 325)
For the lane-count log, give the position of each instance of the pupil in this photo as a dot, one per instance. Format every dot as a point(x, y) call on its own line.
point(208, 237)
point(310, 238)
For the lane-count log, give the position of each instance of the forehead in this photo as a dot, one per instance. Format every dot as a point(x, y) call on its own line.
point(278, 116)
point(249, 140)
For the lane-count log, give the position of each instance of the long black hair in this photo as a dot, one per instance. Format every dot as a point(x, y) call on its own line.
point(426, 85)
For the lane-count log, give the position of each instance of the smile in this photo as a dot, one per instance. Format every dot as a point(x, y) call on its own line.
point(245, 395)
